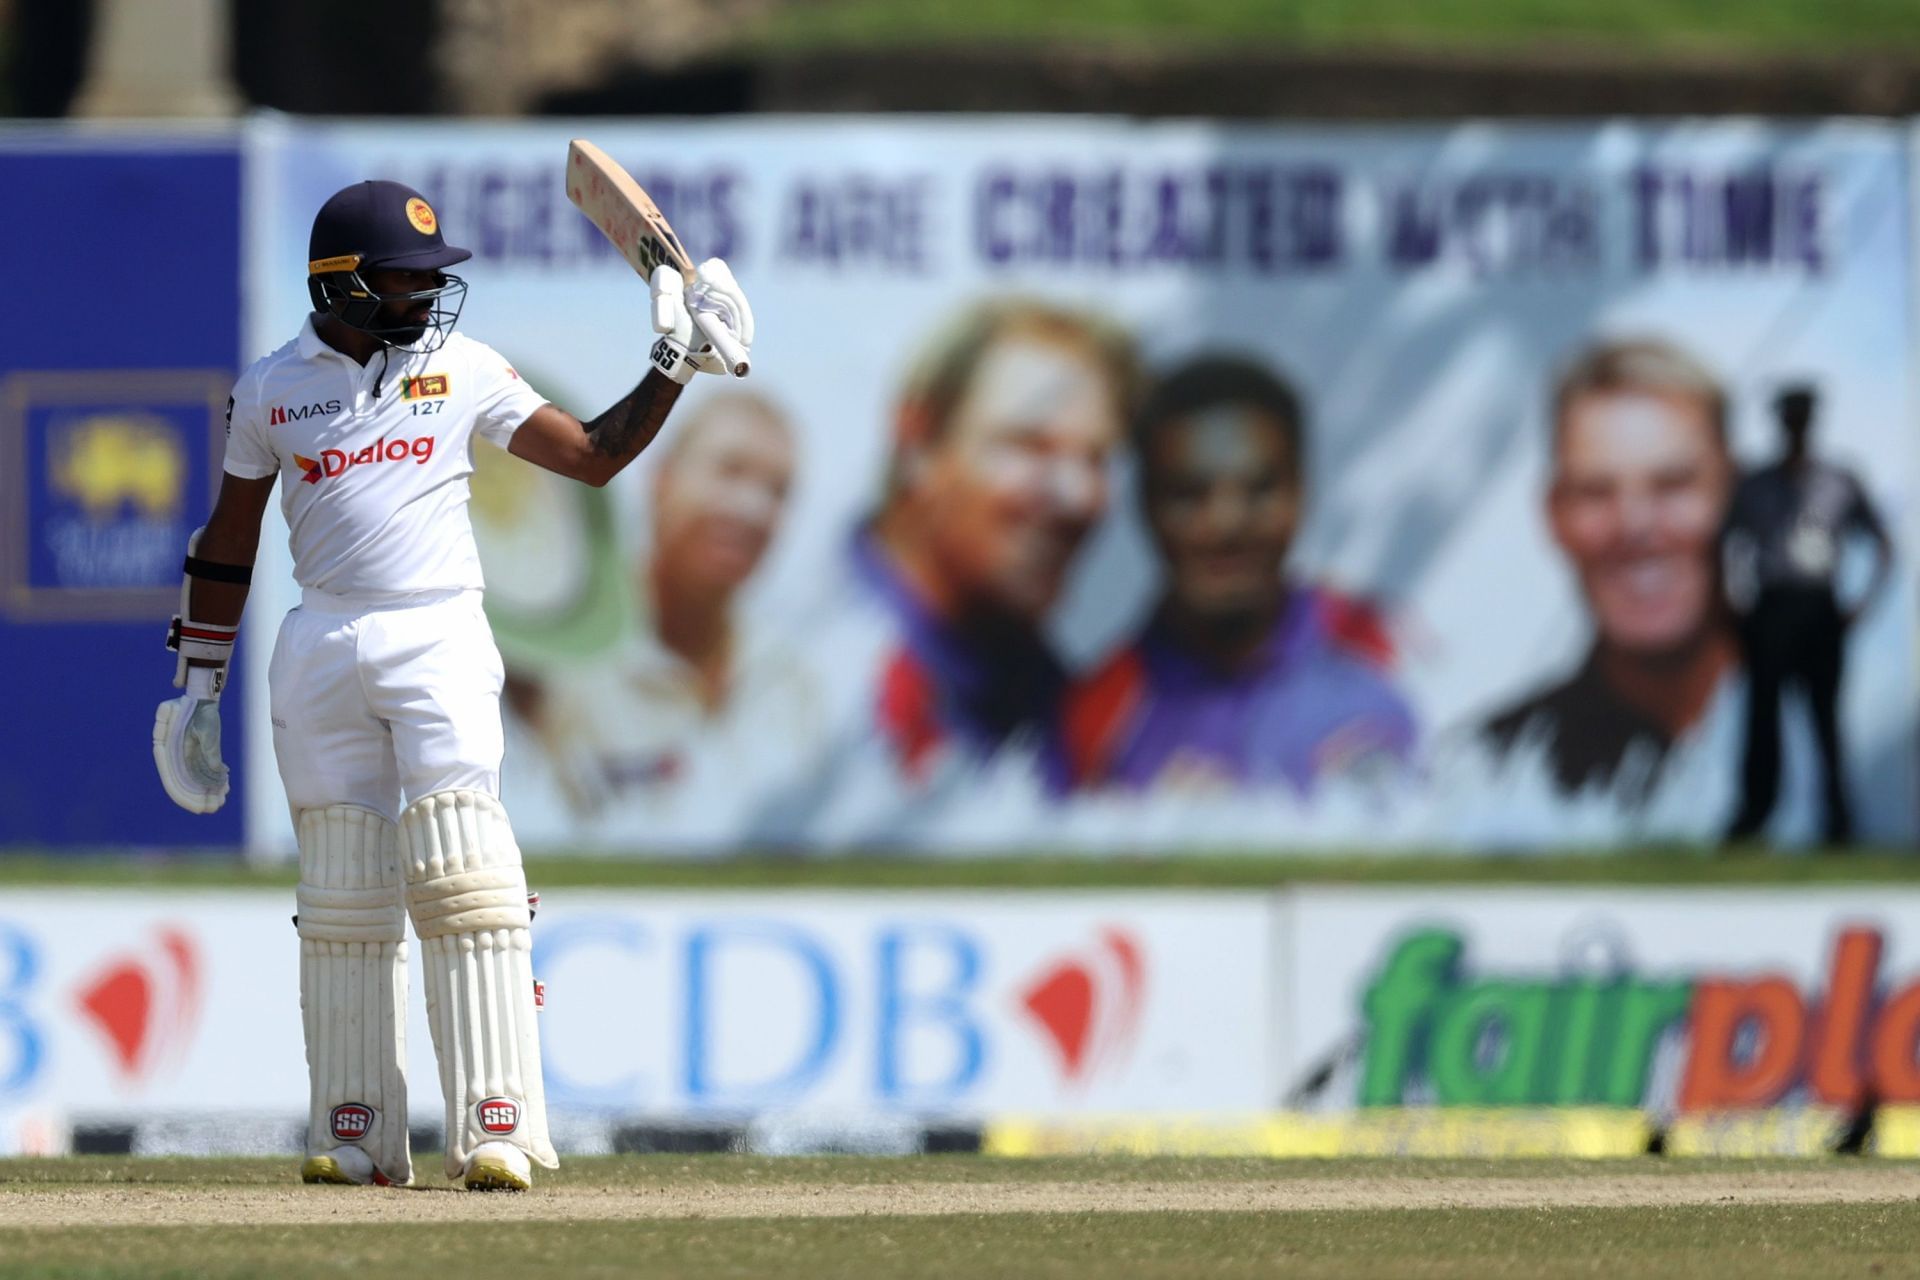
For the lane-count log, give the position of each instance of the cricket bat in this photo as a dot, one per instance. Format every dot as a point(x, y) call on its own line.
point(628, 217)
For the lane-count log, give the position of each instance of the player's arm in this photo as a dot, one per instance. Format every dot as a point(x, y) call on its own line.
point(596, 451)
point(1867, 521)
point(218, 570)
point(227, 545)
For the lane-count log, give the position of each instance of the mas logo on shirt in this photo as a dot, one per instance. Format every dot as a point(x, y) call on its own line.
point(333, 462)
point(431, 384)
point(281, 414)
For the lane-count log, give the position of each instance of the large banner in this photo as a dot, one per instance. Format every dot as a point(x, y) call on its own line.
point(1107, 485)
point(1674, 1001)
point(137, 1006)
point(121, 337)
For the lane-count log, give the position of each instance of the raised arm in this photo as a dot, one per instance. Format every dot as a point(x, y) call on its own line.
point(594, 452)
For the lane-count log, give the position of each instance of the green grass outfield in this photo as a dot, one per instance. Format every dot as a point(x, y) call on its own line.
point(672, 1216)
point(1675, 866)
point(1714, 27)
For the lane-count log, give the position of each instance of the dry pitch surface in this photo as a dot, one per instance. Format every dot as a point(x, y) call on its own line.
point(969, 1216)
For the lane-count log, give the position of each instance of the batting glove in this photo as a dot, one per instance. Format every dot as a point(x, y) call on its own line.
point(682, 349)
point(186, 744)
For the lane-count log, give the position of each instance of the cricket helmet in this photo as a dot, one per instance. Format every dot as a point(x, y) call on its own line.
point(373, 225)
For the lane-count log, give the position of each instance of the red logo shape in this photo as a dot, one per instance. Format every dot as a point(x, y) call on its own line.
point(498, 1115)
point(351, 1121)
point(1088, 1004)
point(146, 1006)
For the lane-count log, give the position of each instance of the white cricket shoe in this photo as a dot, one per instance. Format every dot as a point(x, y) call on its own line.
point(344, 1167)
point(498, 1166)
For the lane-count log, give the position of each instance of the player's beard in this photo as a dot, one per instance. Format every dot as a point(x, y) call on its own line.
point(404, 332)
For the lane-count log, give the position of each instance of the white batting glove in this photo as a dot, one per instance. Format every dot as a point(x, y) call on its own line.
point(186, 744)
point(682, 349)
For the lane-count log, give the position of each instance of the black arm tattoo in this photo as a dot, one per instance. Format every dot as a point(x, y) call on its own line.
point(632, 422)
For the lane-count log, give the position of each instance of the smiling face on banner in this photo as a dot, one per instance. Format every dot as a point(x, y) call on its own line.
point(1224, 503)
point(1640, 488)
point(721, 492)
point(1018, 478)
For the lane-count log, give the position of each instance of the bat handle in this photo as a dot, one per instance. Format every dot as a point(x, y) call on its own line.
point(723, 342)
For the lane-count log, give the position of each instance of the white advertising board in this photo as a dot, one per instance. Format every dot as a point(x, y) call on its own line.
point(678, 1006)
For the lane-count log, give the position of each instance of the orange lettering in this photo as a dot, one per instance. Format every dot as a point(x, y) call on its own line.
point(1896, 1074)
point(1833, 1071)
point(1721, 1010)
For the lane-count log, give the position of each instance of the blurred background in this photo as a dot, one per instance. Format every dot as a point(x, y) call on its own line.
point(1419, 497)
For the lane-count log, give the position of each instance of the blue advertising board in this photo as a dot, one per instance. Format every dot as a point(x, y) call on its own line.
point(122, 341)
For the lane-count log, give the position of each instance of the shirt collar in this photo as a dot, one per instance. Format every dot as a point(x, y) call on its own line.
point(311, 345)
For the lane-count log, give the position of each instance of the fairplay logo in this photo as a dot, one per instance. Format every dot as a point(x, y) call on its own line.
point(146, 1005)
point(332, 462)
point(1434, 1026)
point(1087, 1004)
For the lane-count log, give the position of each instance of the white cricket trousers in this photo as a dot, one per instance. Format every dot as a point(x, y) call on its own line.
point(380, 704)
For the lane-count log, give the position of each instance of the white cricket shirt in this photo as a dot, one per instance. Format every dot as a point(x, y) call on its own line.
point(375, 490)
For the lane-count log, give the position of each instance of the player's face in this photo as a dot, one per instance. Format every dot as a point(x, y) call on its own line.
point(1641, 485)
point(1223, 501)
point(1020, 475)
point(409, 319)
point(719, 499)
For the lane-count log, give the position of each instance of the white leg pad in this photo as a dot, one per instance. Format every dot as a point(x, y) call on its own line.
point(353, 985)
point(468, 895)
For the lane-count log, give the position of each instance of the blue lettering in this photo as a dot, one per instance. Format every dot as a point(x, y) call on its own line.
point(1646, 217)
point(856, 221)
point(18, 968)
point(913, 1012)
point(1749, 218)
point(1757, 218)
point(704, 945)
point(1315, 220)
point(990, 217)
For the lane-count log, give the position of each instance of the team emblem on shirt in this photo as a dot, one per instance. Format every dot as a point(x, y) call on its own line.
point(431, 384)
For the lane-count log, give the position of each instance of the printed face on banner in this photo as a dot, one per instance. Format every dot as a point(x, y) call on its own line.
point(1640, 490)
point(1016, 478)
point(721, 491)
point(1222, 497)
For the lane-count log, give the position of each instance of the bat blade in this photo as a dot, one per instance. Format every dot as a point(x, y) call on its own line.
point(622, 209)
point(627, 216)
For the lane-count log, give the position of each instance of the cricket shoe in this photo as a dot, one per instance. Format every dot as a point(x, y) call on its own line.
point(498, 1166)
point(343, 1167)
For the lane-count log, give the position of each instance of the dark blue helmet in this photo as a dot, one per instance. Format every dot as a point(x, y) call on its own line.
point(373, 225)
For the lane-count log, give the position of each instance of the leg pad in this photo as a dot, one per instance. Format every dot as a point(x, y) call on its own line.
point(468, 895)
point(353, 985)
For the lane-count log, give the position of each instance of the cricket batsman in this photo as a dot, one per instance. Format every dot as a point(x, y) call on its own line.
point(385, 682)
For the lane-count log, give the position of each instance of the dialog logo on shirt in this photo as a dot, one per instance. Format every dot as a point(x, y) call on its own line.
point(332, 462)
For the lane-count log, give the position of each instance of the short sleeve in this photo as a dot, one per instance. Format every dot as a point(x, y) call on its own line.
point(250, 454)
point(502, 400)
